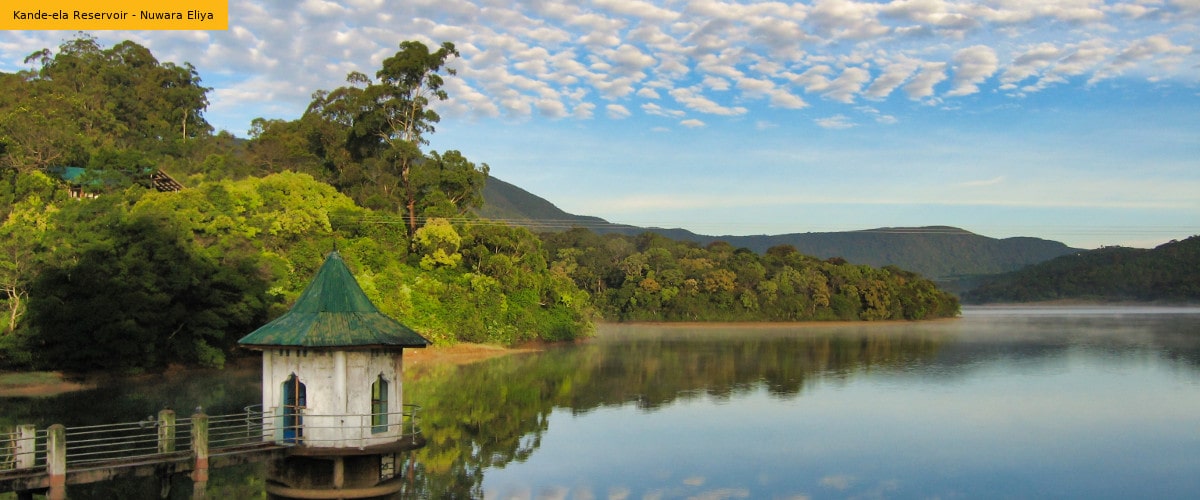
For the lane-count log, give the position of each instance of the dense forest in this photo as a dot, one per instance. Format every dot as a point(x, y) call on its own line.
point(107, 270)
point(1168, 273)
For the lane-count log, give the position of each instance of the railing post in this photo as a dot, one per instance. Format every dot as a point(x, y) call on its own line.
point(25, 446)
point(56, 461)
point(166, 431)
point(199, 455)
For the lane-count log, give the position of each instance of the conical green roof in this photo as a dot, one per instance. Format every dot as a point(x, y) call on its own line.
point(333, 311)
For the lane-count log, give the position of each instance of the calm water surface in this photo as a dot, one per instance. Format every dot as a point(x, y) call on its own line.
point(1002, 403)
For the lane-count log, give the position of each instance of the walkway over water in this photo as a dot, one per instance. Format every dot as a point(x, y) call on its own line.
point(47, 460)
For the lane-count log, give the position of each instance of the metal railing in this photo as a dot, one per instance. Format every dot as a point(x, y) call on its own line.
point(102, 443)
point(303, 428)
point(22, 447)
point(154, 438)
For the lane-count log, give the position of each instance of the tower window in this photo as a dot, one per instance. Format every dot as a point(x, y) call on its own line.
point(379, 405)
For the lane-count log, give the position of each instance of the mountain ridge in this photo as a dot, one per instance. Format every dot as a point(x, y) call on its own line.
point(943, 253)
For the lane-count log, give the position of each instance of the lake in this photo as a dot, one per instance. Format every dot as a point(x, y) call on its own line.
point(1020, 402)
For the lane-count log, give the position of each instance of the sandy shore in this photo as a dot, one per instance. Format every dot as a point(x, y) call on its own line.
point(32, 384)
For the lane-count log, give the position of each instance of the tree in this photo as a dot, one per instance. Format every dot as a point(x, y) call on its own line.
point(385, 124)
point(449, 185)
point(125, 93)
point(132, 292)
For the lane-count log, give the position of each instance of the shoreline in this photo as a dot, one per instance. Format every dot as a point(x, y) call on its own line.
point(51, 383)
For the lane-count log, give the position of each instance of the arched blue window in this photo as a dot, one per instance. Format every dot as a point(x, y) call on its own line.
point(294, 400)
point(379, 405)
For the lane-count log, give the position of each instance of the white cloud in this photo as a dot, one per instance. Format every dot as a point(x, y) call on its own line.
point(711, 56)
point(692, 123)
point(921, 85)
point(894, 74)
point(847, 85)
point(696, 102)
point(1030, 63)
point(846, 19)
point(972, 65)
point(1139, 51)
point(617, 111)
point(656, 110)
point(584, 111)
point(628, 60)
point(636, 8)
point(836, 122)
point(648, 93)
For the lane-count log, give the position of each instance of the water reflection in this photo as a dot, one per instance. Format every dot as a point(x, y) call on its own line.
point(490, 414)
point(1000, 403)
point(1042, 382)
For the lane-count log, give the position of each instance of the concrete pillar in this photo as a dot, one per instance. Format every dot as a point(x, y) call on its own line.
point(340, 396)
point(339, 473)
point(56, 461)
point(25, 447)
point(199, 455)
point(166, 431)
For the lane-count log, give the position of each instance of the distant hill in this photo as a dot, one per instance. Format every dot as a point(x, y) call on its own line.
point(1168, 273)
point(947, 254)
point(509, 203)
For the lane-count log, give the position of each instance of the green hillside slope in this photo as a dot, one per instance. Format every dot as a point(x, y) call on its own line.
point(1170, 272)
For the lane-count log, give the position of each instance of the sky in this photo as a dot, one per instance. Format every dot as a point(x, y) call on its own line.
point(1071, 120)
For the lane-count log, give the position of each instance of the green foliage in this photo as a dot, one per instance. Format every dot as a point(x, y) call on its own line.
point(1170, 272)
point(132, 293)
point(651, 278)
point(85, 99)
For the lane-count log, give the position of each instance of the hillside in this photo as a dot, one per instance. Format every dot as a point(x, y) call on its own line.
point(506, 202)
point(940, 252)
point(1168, 273)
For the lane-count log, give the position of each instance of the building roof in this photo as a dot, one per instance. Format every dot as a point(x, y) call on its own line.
point(149, 177)
point(333, 312)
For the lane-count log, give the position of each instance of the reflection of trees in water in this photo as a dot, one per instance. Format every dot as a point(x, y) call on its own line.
point(129, 399)
point(492, 413)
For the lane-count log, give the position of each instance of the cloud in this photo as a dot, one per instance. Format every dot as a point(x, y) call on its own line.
point(690, 98)
point(1154, 47)
point(656, 110)
point(972, 65)
point(711, 56)
point(847, 85)
point(921, 85)
point(1030, 63)
point(846, 19)
point(692, 123)
point(638, 9)
point(617, 111)
point(836, 122)
point(894, 74)
point(584, 111)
